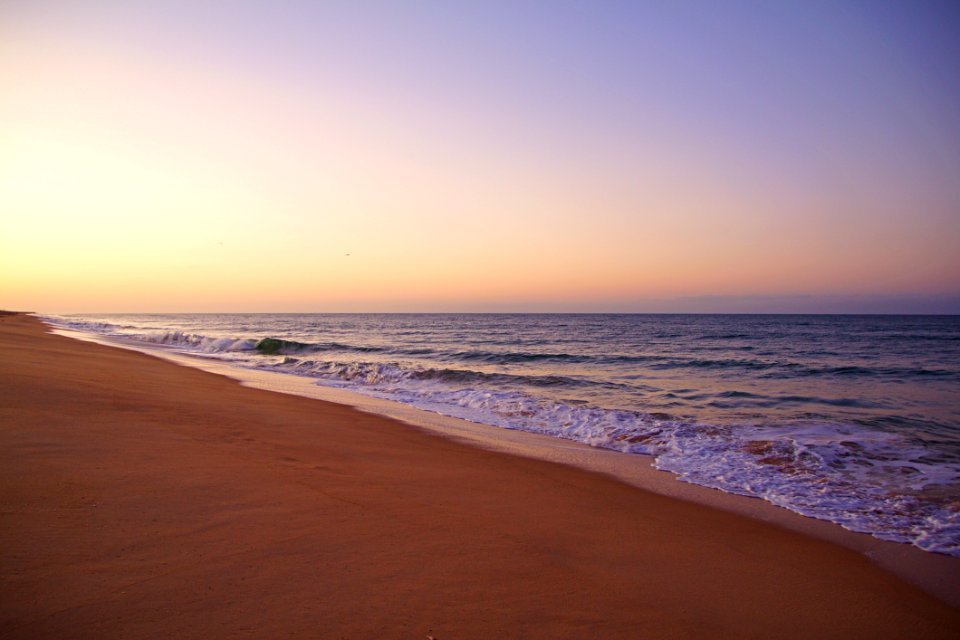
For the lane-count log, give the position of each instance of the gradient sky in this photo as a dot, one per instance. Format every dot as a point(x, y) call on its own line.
point(480, 156)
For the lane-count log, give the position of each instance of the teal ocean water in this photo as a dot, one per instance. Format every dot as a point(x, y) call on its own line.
point(852, 419)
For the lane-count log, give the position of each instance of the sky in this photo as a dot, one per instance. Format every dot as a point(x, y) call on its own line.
point(480, 156)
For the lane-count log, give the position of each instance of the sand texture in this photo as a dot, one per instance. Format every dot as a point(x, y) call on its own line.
point(141, 499)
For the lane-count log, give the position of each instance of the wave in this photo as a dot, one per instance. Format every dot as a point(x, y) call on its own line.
point(793, 369)
point(222, 344)
point(736, 399)
point(876, 372)
point(272, 346)
point(509, 357)
point(374, 373)
point(66, 322)
point(197, 342)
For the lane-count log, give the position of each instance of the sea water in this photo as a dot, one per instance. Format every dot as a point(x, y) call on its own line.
point(852, 419)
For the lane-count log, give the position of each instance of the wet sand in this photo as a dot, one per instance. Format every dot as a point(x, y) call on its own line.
point(145, 499)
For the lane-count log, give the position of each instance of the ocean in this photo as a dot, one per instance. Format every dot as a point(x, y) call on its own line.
point(851, 419)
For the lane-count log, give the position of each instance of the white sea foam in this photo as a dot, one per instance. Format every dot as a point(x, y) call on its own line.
point(202, 343)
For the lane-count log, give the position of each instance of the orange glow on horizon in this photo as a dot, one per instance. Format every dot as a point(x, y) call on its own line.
point(134, 181)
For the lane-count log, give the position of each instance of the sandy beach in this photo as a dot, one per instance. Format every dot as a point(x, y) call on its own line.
point(144, 499)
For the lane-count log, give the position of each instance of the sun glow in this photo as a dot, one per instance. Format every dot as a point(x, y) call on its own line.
point(139, 177)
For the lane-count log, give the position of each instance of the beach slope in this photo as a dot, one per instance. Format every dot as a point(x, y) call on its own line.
point(142, 499)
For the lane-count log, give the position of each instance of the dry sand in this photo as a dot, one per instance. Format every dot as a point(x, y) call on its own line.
point(145, 499)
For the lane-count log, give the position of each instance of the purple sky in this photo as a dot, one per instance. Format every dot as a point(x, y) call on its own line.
point(616, 156)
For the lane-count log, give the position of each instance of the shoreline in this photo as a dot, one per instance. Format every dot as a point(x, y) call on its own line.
point(937, 574)
point(145, 498)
